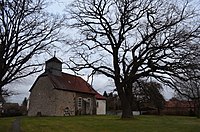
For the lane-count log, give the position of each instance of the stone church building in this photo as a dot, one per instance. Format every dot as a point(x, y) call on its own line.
point(55, 93)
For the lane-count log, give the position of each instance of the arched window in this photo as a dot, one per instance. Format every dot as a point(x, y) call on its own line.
point(79, 102)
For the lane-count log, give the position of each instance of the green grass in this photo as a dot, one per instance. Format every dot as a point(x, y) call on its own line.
point(110, 124)
point(6, 123)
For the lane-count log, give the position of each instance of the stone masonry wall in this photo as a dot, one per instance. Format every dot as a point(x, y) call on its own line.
point(42, 98)
point(63, 100)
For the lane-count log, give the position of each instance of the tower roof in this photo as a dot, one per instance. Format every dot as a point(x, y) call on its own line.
point(54, 59)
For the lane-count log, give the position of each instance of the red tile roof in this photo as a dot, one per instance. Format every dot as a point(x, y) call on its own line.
point(71, 83)
point(99, 96)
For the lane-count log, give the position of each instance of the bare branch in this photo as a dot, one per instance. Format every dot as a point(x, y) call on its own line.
point(26, 30)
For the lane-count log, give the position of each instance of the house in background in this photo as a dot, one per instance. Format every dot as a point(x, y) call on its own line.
point(55, 93)
point(179, 107)
point(10, 109)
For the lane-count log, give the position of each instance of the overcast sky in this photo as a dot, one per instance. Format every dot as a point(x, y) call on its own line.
point(100, 83)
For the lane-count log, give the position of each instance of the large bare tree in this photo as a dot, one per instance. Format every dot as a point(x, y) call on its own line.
point(127, 40)
point(26, 30)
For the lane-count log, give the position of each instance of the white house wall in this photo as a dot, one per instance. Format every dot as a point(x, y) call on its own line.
point(101, 107)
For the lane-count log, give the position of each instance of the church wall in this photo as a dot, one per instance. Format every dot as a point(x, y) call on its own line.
point(64, 100)
point(42, 98)
point(87, 105)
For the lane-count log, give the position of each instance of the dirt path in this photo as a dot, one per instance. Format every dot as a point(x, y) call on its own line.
point(16, 125)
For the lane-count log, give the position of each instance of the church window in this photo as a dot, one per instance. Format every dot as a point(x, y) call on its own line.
point(80, 102)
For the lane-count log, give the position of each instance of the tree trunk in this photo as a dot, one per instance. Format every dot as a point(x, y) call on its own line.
point(158, 110)
point(198, 113)
point(126, 109)
point(198, 109)
point(126, 104)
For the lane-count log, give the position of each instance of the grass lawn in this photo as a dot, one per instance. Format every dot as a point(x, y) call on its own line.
point(6, 123)
point(110, 124)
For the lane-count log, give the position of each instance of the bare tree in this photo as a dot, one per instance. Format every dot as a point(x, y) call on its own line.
point(190, 89)
point(127, 40)
point(26, 30)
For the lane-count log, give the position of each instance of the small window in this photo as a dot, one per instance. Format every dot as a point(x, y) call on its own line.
point(80, 102)
point(97, 104)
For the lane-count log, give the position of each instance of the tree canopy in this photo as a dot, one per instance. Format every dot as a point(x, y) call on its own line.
point(26, 31)
point(127, 40)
